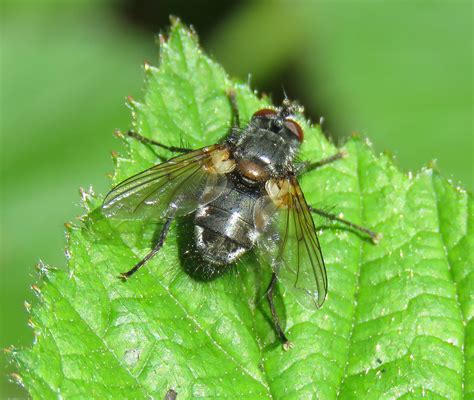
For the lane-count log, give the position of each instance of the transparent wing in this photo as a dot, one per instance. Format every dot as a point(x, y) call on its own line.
point(288, 238)
point(173, 188)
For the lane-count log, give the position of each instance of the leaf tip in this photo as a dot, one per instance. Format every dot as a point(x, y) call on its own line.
point(42, 268)
point(149, 68)
point(11, 358)
point(368, 142)
point(175, 21)
point(27, 306)
point(119, 134)
point(321, 121)
point(16, 378)
point(36, 289)
point(355, 135)
point(31, 324)
point(162, 39)
point(192, 31)
point(89, 201)
point(433, 165)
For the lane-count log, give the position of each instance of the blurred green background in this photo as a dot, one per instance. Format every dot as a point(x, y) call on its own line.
point(399, 72)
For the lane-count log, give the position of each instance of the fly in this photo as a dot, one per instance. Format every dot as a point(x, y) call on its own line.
point(242, 194)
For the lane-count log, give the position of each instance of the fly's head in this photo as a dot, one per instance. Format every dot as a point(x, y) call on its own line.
point(281, 121)
point(267, 146)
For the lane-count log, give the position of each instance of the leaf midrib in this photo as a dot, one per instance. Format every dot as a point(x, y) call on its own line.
point(196, 323)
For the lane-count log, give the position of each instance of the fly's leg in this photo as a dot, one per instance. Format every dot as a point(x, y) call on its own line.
point(151, 254)
point(147, 141)
point(235, 108)
point(276, 321)
point(306, 167)
point(376, 237)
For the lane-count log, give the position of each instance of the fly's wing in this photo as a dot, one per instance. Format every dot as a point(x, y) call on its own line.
point(173, 188)
point(288, 238)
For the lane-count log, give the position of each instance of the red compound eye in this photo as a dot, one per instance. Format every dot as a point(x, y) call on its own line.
point(295, 128)
point(265, 113)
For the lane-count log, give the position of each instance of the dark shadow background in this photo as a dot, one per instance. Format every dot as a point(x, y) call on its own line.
point(399, 72)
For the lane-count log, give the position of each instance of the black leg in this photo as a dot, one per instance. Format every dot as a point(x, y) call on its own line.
point(286, 343)
point(150, 255)
point(235, 108)
point(376, 237)
point(306, 167)
point(145, 140)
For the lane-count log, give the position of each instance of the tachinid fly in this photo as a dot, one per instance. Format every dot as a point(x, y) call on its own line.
point(243, 194)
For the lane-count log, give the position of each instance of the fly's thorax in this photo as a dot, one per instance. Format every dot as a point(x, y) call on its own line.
point(262, 153)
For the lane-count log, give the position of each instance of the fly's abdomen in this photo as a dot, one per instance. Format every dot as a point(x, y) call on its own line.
point(224, 228)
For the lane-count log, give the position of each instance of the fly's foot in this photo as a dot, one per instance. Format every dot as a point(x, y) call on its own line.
point(123, 276)
point(288, 345)
point(377, 238)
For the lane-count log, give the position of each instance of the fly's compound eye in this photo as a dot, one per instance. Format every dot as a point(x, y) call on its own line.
point(295, 128)
point(265, 113)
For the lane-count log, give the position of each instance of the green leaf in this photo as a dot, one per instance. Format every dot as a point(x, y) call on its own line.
point(397, 321)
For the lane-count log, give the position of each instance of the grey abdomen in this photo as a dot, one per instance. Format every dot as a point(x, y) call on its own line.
point(224, 228)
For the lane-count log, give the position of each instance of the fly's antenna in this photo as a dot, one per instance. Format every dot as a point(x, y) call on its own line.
point(286, 108)
point(289, 107)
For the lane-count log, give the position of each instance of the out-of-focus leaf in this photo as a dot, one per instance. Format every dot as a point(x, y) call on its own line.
point(397, 322)
point(400, 72)
point(265, 46)
point(64, 75)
